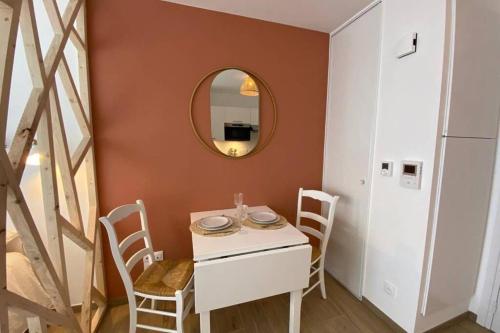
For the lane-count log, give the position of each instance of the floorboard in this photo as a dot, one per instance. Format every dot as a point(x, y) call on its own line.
point(340, 313)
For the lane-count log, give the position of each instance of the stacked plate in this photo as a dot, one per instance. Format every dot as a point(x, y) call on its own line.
point(215, 223)
point(264, 217)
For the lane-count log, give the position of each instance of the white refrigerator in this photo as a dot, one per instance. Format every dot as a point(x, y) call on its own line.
point(461, 213)
point(466, 157)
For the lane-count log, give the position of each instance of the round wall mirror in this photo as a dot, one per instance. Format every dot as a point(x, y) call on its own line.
point(234, 113)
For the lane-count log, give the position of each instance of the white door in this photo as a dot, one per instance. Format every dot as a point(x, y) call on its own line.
point(353, 92)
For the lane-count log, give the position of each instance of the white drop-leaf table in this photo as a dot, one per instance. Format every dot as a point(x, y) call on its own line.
point(249, 265)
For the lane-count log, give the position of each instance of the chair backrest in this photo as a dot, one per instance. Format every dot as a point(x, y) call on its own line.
point(326, 223)
point(119, 248)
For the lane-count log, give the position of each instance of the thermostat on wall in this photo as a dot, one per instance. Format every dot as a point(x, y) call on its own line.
point(386, 168)
point(411, 174)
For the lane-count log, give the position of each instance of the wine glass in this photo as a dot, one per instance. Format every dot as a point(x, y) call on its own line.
point(238, 202)
point(238, 199)
point(242, 212)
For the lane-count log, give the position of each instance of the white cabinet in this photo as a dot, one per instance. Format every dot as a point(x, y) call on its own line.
point(218, 115)
point(474, 102)
point(464, 195)
point(254, 117)
point(238, 115)
point(355, 61)
point(466, 161)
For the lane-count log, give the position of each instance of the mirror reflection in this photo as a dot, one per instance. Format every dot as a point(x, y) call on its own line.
point(234, 112)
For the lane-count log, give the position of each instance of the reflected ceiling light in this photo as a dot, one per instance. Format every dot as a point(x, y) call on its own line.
point(34, 156)
point(33, 159)
point(249, 87)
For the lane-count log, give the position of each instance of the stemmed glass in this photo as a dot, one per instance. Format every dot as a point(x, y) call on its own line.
point(238, 199)
point(241, 210)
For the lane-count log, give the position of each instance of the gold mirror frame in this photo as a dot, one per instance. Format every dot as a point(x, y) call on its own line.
point(262, 144)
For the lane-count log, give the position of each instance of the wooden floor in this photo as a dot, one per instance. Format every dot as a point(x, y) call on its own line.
point(341, 312)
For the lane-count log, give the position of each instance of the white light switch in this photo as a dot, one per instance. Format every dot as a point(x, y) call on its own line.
point(390, 289)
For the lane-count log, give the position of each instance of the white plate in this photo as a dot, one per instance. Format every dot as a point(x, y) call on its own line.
point(215, 223)
point(264, 217)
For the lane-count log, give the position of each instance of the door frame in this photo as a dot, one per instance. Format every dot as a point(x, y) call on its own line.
point(329, 107)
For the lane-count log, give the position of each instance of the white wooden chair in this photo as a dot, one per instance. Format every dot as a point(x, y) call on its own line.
point(167, 280)
point(318, 253)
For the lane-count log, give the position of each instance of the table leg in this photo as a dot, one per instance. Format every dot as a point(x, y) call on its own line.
point(295, 305)
point(205, 322)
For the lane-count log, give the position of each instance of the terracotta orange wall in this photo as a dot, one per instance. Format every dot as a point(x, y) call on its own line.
point(146, 57)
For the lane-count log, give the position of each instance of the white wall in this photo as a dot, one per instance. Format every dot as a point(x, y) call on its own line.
point(230, 98)
point(31, 182)
point(407, 127)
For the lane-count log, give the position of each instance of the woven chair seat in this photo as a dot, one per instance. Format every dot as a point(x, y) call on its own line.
point(316, 253)
point(163, 278)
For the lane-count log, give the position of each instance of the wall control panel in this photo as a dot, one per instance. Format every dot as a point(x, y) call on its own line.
point(407, 45)
point(411, 174)
point(386, 168)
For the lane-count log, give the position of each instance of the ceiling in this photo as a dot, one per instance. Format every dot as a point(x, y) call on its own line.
point(229, 80)
point(320, 15)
